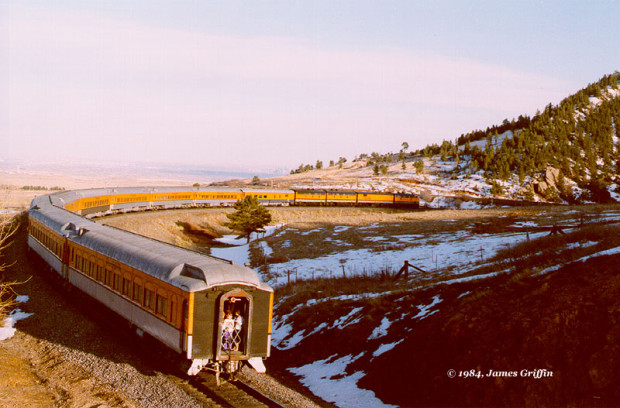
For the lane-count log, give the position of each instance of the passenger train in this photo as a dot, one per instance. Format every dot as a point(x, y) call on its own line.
point(96, 202)
point(213, 313)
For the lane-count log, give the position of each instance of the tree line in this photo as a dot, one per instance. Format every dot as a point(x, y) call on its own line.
point(577, 136)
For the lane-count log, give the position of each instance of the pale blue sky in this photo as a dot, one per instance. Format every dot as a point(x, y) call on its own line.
point(279, 83)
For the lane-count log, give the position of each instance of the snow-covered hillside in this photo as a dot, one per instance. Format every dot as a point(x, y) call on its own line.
point(567, 153)
point(458, 264)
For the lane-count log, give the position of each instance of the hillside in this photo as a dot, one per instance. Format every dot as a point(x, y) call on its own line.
point(498, 289)
point(568, 153)
point(507, 295)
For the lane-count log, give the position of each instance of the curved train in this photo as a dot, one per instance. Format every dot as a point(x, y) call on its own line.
point(98, 202)
point(213, 313)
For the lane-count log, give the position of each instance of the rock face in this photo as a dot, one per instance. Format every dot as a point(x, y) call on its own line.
point(549, 181)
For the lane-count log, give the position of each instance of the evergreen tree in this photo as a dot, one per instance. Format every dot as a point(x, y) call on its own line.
point(496, 188)
point(419, 166)
point(250, 216)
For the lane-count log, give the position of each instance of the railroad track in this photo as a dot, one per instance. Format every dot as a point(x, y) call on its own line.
point(231, 394)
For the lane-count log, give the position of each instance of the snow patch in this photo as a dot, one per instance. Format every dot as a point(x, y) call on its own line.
point(7, 329)
point(381, 330)
point(612, 251)
point(349, 319)
point(385, 347)
point(425, 310)
point(327, 379)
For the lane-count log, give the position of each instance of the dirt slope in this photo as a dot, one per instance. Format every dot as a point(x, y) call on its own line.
point(567, 322)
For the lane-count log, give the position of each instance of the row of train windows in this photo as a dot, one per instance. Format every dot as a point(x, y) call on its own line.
point(265, 196)
point(173, 197)
point(47, 240)
point(131, 199)
point(132, 290)
point(97, 203)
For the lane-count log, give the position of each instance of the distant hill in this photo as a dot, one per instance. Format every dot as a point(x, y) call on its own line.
point(568, 153)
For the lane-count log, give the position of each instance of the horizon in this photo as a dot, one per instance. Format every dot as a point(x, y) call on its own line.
point(271, 86)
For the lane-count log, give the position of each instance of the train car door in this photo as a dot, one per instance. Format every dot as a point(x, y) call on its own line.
point(234, 326)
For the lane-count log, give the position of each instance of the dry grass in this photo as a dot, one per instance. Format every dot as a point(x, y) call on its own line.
point(312, 232)
point(520, 261)
point(561, 248)
point(170, 226)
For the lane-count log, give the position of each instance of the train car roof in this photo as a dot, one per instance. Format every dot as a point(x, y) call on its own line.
point(264, 190)
point(180, 267)
point(309, 190)
point(64, 197)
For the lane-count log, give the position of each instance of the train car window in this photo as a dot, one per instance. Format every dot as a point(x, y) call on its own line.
point(148, 298)
point(137, 293)
point(117, 282)
point(161, 305)
point(108, 277)
point(126, 287)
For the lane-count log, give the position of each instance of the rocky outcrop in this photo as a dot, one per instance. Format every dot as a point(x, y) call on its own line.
point(549, 182)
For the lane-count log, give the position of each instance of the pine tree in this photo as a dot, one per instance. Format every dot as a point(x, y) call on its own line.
point(419, 166)
point(250, 216)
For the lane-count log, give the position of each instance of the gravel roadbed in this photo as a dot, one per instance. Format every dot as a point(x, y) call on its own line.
point(71, 354)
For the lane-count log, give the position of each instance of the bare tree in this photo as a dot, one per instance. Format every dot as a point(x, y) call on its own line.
point(8, 227)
